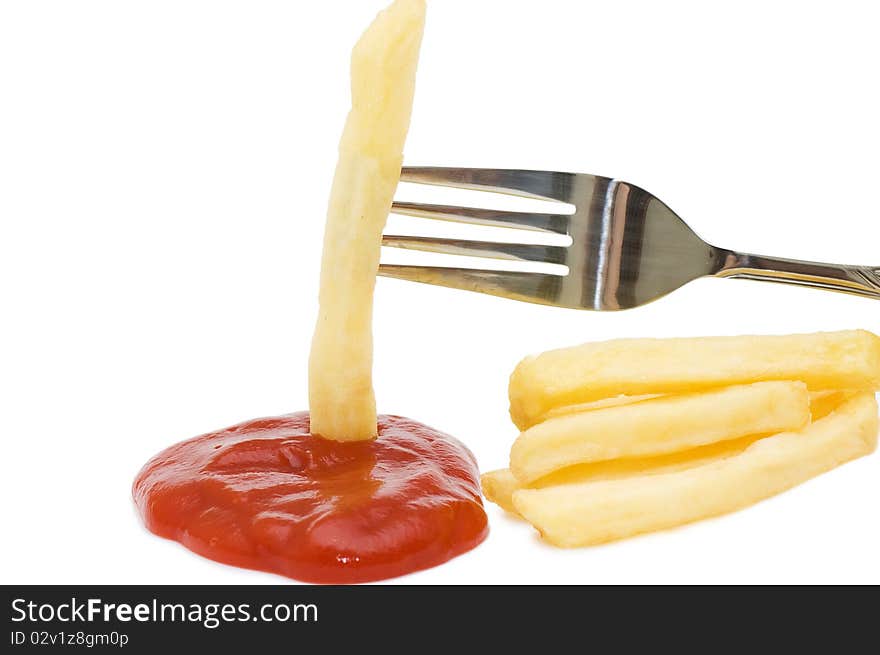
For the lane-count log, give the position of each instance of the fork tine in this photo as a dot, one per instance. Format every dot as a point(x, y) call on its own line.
point(513, 251)
point(541, 288)
point(540, 222)
point(544, 185)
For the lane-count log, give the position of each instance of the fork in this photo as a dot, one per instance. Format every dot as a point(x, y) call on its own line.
point(627, 247)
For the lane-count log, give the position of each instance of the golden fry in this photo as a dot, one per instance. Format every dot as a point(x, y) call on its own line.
point(498, 487)
point(820, 401)
point(383, 68)
point(615, 401)
point(587, 513)
point(633, 367)
point(659, 426)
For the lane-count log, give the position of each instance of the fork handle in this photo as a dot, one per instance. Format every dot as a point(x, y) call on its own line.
point(858, 280)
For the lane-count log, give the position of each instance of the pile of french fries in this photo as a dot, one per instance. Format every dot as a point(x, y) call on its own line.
point(635, 435)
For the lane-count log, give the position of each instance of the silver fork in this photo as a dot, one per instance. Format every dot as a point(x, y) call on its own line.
point(627, 247)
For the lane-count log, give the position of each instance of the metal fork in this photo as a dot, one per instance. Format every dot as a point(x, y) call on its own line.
point(628, 248)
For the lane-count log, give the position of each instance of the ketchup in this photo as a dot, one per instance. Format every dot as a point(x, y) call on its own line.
point(268, 495)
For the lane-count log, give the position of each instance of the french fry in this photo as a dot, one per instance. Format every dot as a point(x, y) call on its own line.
point(820, 401)
point(659, 426)
point(383, 67)
point(633, 367)
point(498, 487)
point(614, 401)
point(586, 513)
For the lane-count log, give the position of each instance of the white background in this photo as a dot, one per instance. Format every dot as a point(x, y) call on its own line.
point(164, 168)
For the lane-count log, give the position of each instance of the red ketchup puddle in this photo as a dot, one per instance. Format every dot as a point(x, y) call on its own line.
point(268, 495)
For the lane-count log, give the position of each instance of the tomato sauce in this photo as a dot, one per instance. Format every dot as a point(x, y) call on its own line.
point(268, 495)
